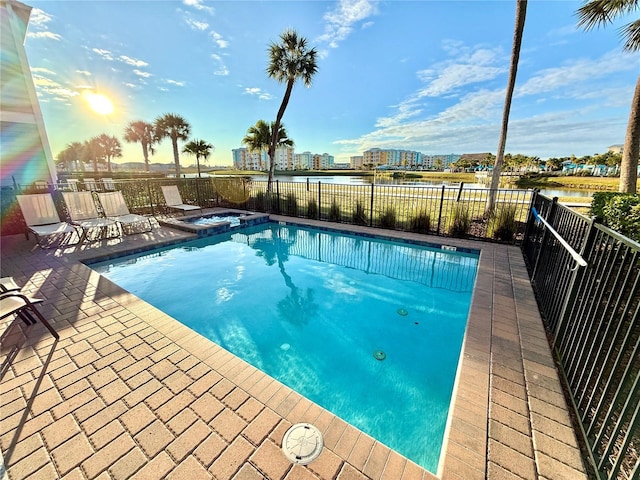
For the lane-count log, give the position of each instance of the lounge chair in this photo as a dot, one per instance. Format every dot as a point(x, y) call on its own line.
point(174, 200)
point(8, 284)
point(42, 218)
point(108, 184)
point(15, 303)
point(83, 213)
point(72, 184)
point(116, 209)
point(90, 184)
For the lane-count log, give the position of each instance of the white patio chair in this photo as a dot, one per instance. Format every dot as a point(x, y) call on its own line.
point(116, 209)
point(72, 184)
point(15, 303)
point(42, 218)
point(173, 199)
point(90, 184)
point(108, 184)
point(83, 213)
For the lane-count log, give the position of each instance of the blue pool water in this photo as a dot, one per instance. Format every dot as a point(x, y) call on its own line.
point(317, 310)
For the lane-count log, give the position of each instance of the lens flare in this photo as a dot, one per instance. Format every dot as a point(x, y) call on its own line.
point(99, 103)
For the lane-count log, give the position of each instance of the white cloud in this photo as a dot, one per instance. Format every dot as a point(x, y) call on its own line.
point(51, 35)
point(84, 73)
point(106, 54)
point(142, 74)
point(43, 71)
point(132, 61)
point(340, 20)
point(198, 5)
point(39, 18)
point(258, 92)
point(222, 43)
point(51, 89)
point(222, 71)
point(196, 24)
point(176, 83)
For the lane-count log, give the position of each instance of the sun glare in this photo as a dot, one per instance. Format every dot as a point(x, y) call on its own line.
point(99, 103)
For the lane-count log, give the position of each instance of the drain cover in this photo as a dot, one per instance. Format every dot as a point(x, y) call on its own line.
point(302, 443)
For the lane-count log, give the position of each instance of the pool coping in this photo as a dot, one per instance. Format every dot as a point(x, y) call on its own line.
point(508, 415)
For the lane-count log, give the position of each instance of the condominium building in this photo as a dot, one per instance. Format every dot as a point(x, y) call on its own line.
point(356, 162)
point(244, 159)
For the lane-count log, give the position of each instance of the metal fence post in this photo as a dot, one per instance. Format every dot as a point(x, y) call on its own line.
point(440, 210)
point(278, 197)
point(530, 218)
point(319, 200)
point(371, 207)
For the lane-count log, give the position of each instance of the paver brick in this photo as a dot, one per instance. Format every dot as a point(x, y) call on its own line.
point(106, 434)
point(228, 424)
point(107, 456)
point(177, 381)
point(60, 431)
point(270, 460)
point(126, 466)
point(210, 449)
point(207, 407)
point(205, 383)
point(154, 438)
point(187, 442)
point(189, 470)
point(72, 453)
point(248, 472)
point(30, 464)
point(175, 405)
point(327, 465)
point(182, 421)
point(158, 467)
point(229, 462)
point(137, 418)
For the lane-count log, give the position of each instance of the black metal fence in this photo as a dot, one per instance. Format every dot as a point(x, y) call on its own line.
point(450, 211)
point(591, 315)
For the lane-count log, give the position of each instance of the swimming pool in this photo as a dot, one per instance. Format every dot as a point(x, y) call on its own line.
point(369, 329)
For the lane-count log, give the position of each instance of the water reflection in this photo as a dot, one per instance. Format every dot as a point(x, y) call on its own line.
point(430, 267)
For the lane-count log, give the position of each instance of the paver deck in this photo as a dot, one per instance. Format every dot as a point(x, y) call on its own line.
point(130, 393)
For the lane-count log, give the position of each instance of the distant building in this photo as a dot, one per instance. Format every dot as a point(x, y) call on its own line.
point(615, 148)
point(356, 162)
point(26, 154)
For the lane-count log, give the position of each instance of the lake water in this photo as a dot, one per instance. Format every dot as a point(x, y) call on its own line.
point(368, 180)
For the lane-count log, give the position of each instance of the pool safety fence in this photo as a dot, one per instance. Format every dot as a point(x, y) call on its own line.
point(591, 313)
point(457, 211)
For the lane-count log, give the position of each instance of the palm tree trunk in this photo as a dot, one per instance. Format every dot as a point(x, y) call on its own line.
point(109, 164)
point(276, 130)
point(176, 156)
point(198, 164)
point(145, 154)
point(631, 149)
point(521, 13)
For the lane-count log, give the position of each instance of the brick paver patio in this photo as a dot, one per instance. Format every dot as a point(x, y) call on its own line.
point(129, 393)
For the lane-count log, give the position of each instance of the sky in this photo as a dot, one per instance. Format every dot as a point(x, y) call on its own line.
point(428, 76)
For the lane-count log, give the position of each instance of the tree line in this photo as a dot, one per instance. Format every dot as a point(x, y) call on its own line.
point(520, 161)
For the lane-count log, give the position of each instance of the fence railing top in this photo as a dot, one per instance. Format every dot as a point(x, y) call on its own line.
point(576, 256)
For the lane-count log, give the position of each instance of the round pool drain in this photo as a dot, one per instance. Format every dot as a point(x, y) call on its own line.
point(379, 355)
point(285, 346)
point(403, 312)
point(302, 443)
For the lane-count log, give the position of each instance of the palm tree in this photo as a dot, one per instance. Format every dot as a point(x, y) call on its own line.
point(145, 133)
point(92, 152)
point(70, 155)
point(111, 148)
point(176, 128)
point(595, 13)
point(289, 61)
point(200, 149)
point(521, 13)
point(259, 137)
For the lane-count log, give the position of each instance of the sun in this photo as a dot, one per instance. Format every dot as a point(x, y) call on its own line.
point(99, 103)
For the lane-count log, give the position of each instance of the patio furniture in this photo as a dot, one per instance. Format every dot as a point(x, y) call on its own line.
point(174, 200)
point(42, 218)
point(83, 213)
point(116, 209)
point(108, 184)
point(90, 184)
point(15, 303)
point(72, 184)
point(8, 284)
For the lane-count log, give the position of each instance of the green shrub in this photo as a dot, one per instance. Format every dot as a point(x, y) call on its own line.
point(421, 223)
point(461, 222)
point(291, 204)
point(503, 225)
point(334, 212)
point(312, 209)
point(600, 199)
point(622, 214)
point(359, 216)
point(388, 218)
point(260, 201)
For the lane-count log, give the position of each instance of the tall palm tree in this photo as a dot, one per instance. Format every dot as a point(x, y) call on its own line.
point(259, 137)
point(200, 149)
point(595, 13)
point(289, 60)
point(70, 155)
point(521, 13)
point(145, 133)
point(92, 152)
point(176, 128)
point(111, 148)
